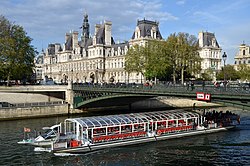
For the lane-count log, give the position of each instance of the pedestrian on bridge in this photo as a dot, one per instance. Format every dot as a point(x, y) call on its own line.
point(188, 85)
point(192, 86)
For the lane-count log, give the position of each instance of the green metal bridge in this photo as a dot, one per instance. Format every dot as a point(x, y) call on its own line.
point(117, 95)
point(94, 96)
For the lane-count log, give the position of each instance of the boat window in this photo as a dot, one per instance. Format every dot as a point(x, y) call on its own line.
point(126, 128)
point(115, 120)
point(126, 119)
point(113, 130)
point(89, 123)
point(181, 122)
point(49, 134)
point(190, 121)
point(161, 124)
point(70, 127)
point(171, 123)
point(138, 127)
point(99, 131)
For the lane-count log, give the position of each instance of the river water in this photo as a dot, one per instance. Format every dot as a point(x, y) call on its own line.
point(224, 148)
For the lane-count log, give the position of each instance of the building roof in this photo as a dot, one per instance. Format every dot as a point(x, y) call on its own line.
point(145, 27)
point(121, 45)
point(51, 49)
point(100, 36)
point(68, 44)
point(84, 44)
point(208, 39)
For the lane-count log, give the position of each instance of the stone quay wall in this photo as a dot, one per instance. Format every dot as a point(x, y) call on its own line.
point(33, 112)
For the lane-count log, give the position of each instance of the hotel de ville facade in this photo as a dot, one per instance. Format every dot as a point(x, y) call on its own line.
point(94, 59)
point(99, 59)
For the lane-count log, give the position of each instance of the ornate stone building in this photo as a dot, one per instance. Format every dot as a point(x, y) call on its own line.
point(210, 51)
point(242, 56)
point(98, 58)
point(39, 68)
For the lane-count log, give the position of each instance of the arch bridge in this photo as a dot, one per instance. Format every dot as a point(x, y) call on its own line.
point(113, 95)
point(89, 96)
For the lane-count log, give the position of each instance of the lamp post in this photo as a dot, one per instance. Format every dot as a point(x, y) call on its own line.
point(96, 74)
point(72, 77)
point(224, 57)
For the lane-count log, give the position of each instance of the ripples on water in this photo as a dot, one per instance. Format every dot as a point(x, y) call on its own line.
point(224, 148)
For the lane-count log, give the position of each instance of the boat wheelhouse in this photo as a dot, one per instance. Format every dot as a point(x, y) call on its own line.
point(51, 134)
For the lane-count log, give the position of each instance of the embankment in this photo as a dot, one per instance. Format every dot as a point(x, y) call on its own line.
point(33, 112)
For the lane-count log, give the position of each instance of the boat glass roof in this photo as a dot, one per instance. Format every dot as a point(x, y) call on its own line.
point(133, 118)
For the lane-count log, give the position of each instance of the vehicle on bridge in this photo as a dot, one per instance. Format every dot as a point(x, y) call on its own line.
point(94, 133)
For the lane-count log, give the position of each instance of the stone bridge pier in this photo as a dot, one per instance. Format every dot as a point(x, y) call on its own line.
point(69, 95)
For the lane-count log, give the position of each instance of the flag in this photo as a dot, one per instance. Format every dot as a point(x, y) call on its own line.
point(25, 129)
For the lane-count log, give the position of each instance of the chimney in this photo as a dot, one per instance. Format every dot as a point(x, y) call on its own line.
point(97, 27)
point(67, 37)
point(75, 40)
point(108, 27)
point(200, 38)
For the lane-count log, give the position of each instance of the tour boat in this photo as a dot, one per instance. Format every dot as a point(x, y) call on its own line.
point(86, 134)
point(51, 134)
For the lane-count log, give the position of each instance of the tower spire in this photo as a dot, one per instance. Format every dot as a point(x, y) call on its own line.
point(85, 28)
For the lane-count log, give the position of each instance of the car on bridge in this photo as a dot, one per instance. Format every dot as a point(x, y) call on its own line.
point(5, 105)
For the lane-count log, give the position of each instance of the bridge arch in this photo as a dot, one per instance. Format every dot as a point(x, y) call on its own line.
point(110, 100)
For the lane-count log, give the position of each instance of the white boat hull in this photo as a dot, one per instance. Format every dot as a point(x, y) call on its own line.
point(118, 143)
point(44, 143)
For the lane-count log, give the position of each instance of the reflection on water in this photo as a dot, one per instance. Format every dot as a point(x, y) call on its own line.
point(224, 148)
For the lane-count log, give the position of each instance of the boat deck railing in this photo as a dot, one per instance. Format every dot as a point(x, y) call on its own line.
point(119, 136)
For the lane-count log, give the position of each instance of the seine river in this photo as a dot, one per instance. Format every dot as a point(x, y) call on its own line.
point(224, 148)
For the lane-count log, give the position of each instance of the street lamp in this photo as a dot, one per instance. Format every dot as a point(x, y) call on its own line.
point(224, 57)
point(97, 74)
point(72, 75)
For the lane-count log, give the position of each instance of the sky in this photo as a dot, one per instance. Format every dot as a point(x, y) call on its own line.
point(47, 21)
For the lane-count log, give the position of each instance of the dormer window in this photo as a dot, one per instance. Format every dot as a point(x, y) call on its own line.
point(148, 32)
point(213, 42)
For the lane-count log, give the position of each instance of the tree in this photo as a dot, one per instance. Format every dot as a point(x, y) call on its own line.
point(16, 52)
point(230, 73)
point(244, 72)
point(183, 54)
point(208, 75)
point(149, 60)
point(157, 61)
point(135, 60)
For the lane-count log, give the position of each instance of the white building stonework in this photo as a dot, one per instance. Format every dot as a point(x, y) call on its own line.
point(242, 56)
point(95, 59)
point(210, 51)
point(39, 68)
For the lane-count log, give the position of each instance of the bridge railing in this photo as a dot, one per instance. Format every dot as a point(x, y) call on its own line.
point(35, 104)
point(234, 90)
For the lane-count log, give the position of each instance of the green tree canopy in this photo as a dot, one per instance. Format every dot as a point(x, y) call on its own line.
point(183, 53)
point(230, 73)
point(149, 60)
point(135, 60)
point(157, 59)
point(244, 72)
point(16, 52)
point(178, 54)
